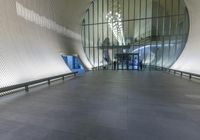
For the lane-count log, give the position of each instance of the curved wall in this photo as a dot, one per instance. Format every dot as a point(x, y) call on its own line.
point(33, 35)
point(189, 60)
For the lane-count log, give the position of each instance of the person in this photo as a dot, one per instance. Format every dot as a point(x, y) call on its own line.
point(115, 65)
point(141, 65)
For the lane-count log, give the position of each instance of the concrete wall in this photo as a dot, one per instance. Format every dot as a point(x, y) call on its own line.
point(34, 34)
point(189, 60)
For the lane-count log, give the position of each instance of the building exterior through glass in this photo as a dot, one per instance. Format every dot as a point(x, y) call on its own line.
point(152, 31)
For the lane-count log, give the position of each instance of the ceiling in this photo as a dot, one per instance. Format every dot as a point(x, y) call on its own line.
point(72, 12)
point(68, 13)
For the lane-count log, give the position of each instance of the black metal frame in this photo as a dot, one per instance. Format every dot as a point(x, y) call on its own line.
point(160, 21)
point(27, 84)
point(179, 72)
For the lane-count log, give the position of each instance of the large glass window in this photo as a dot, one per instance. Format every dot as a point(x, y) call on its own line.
point(156, 30)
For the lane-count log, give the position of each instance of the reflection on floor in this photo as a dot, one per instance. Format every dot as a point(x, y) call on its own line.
point(106, 105)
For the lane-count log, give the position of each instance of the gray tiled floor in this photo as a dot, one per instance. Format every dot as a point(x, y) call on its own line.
point(105, 105)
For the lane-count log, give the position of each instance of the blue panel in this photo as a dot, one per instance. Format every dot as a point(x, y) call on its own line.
point(74, 63)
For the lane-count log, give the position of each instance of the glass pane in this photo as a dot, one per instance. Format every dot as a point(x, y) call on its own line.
point(143, 9)
point(156, 29)
point(137, 9)
point(169, 7)
point(131, 9)
point(149, 8)
point(176, 7)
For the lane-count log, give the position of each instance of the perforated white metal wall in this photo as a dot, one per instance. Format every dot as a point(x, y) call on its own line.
point(32, 38)
point(189, 61)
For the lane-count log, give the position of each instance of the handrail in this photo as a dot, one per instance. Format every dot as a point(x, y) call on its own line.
point(181, 73)
point(98, 68)
point(27, 84)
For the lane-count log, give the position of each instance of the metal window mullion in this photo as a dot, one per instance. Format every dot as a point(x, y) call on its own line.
point(128, 17)
point(140, 14)
point(103, 32)
point(134, 24)
point(108, 36)
point(157, 33)
point(84, 38)
point(98, 34)
point(163, 44)
point(93, 37)
point(177, 33)
point(123, 17)
point(112, 33)
point(145, 42)
point(151, 35)
point(89, 34)
point(170, 30)
point(117, 27)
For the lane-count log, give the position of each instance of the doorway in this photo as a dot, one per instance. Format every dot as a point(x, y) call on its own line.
point(74, 63)
point(127, 61)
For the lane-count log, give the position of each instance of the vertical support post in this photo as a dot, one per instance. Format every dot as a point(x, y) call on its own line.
point(98, 38)
point(108, 46)
point(26, 88)
point(102, 35)
point(146, 42)
point(89, 24)
point(49, 82)
point(93, 34)
point(113, 57)
point(190, 76)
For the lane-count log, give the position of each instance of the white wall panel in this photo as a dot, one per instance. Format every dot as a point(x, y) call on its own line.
point(30, 51)
point(190, 59)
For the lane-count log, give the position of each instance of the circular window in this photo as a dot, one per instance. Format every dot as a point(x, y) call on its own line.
point(155, 30)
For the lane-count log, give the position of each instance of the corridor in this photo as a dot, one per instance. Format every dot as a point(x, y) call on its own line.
point(105, 105)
